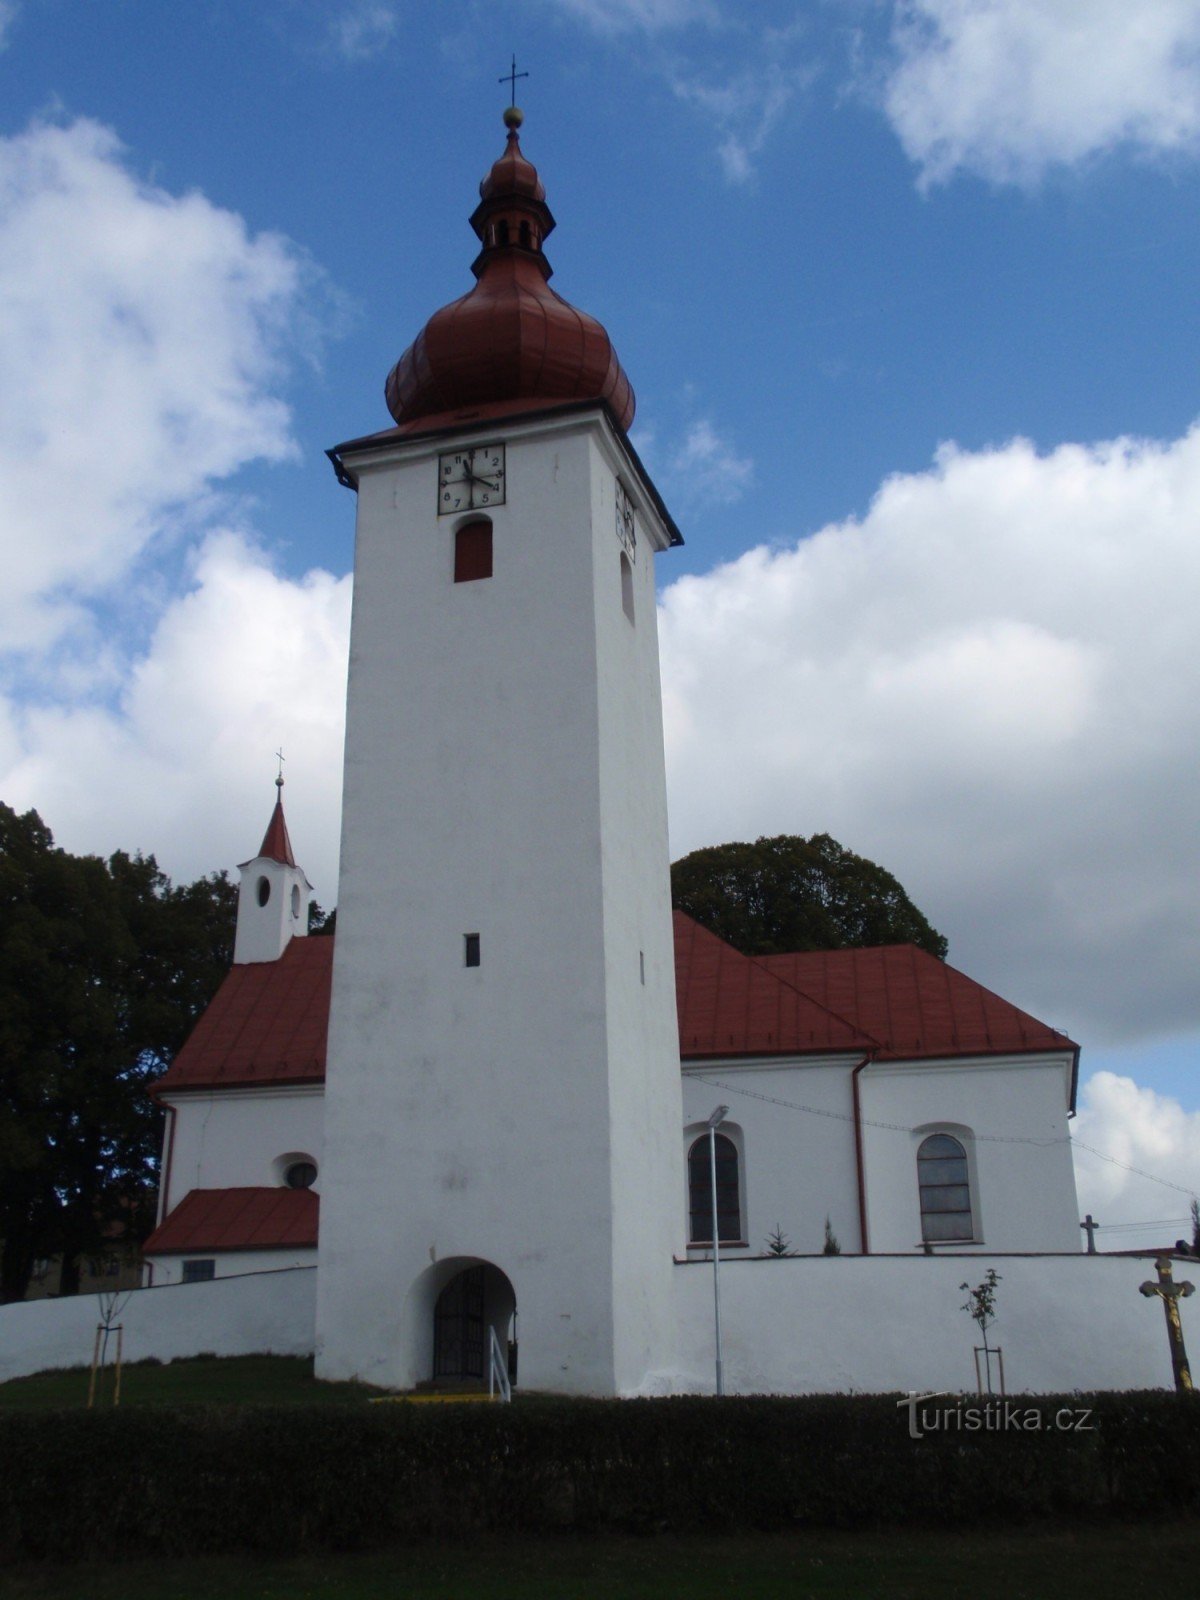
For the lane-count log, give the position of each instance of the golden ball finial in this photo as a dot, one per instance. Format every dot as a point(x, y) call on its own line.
point(514, 117)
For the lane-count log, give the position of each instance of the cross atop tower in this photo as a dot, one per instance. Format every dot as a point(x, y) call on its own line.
point(510, 77)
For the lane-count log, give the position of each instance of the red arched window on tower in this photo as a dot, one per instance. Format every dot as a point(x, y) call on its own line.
point(473, 551)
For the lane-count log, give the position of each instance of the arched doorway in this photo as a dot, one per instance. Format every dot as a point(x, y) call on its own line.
point(476, 1298)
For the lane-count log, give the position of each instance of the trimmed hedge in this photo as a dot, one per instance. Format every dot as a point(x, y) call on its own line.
point(274, 1479)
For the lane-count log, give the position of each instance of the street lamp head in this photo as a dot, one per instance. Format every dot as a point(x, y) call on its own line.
point(718, 1117)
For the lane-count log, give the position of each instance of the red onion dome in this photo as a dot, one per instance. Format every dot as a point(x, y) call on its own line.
point(511, 337)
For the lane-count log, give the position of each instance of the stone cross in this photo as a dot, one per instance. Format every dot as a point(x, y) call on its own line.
point(1171, 1294)
point(1089, 1227)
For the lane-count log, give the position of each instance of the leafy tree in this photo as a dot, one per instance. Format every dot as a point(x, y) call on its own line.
point(788, 893)
point(832, 1245)
point(103, 968)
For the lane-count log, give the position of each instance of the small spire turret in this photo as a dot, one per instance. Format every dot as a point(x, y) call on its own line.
point(273, 893)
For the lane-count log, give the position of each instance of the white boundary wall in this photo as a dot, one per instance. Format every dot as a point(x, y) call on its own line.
point(882, 1324)
point(808, 1324)
point(263, 1312)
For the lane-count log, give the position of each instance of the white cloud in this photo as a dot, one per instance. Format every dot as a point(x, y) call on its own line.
point(142, 337)
point(1140, 1129)
point(1008, 88)
point(181, 765)
point(362, 29)
point(745, 108)
point(707, 469)
point(145, 339)
point(649, 16)
point(759, 69)
point(989, 685)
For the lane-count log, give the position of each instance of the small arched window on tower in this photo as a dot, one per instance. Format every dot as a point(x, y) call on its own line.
point(627, 585)
point(473, 551)
point(729, 1203)
point(523, 234)
point(945, 1185)
point(502, 231)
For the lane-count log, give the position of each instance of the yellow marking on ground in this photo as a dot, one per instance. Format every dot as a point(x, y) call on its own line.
point(430, 1399)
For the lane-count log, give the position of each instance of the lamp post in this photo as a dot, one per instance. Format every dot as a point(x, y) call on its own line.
point(714, 1122)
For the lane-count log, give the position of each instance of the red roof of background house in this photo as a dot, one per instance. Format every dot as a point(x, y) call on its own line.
point(266, 1024)
point(913, 1004)
point(238, 1219)
point(730, 1005)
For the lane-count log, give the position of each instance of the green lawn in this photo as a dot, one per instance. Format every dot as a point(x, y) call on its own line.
point(1084, 1564)
point(233, 1380)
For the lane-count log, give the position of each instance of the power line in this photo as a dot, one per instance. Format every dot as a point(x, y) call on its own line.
point(1180, 1188)
point(1154, 1222)
point(980, 1138)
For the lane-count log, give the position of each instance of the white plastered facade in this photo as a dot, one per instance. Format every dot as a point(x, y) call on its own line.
point(792, 1123)
point(243, 1138)
point(504, 778)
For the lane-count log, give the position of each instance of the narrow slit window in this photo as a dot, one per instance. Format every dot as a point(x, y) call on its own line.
point(470, 949)
point(627, 585)
point(473, 551)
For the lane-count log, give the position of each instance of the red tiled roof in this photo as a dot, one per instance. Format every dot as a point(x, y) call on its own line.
point(238, 1219)
point(268, 1021)
point(277, 845)
point(730, 1005)
point(266, 1024)
point(914, 1004)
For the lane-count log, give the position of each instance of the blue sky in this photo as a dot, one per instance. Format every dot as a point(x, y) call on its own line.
point(906, 289)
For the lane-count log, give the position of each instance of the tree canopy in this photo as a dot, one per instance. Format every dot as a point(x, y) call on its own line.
point(104, 966)
point(790, 893)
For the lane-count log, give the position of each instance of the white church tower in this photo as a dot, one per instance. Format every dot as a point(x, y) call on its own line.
point(503, 1103)
point(273, 895)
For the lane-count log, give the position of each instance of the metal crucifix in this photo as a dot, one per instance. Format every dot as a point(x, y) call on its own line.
point(1171, 1294)
point(510, 77)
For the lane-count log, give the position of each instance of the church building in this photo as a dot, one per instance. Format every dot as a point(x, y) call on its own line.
point(482, 1109)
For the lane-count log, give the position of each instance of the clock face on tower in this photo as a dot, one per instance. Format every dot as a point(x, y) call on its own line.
point(470, 480)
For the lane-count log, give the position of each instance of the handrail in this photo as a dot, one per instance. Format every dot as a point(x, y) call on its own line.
point(497, 1367)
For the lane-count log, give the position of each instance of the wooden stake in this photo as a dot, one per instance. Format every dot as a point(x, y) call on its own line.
point(95, 1362)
